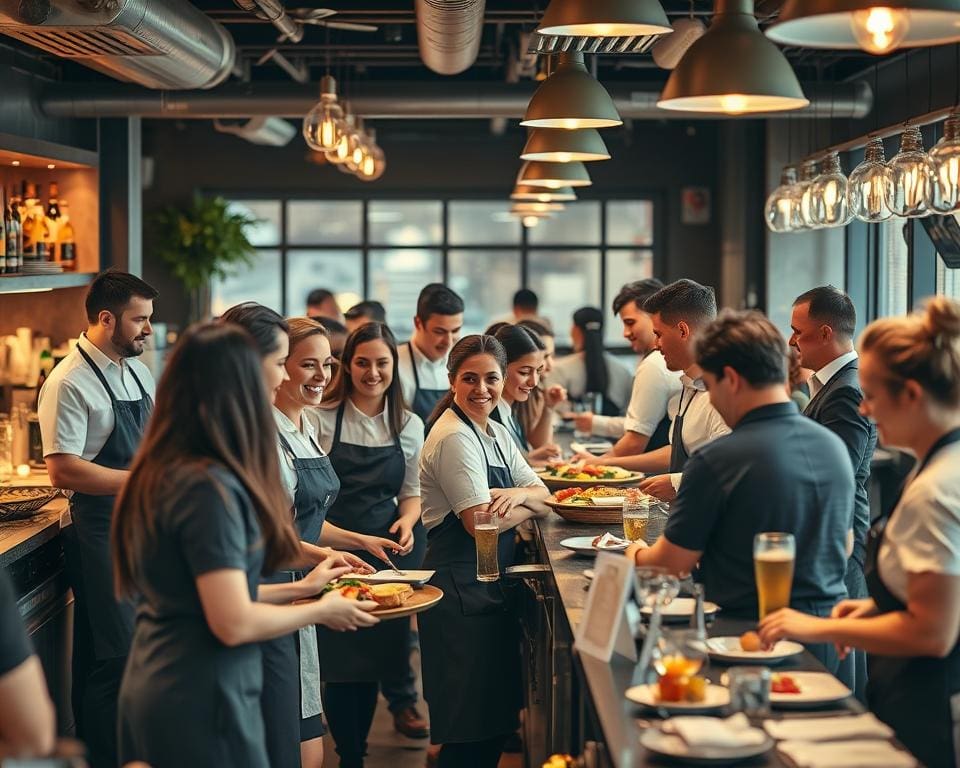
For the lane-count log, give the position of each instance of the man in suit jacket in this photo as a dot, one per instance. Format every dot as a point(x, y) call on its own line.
point(823, 322)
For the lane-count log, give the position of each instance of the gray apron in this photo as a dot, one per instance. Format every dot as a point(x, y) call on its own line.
point(678, 453)
point(424, 400)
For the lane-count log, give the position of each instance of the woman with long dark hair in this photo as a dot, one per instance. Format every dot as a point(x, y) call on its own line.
point(201, 517)
point(536, 413)
point(590, 370)
point(525, 365)
point(374, 443)
point(295, 362)
point(470, 642)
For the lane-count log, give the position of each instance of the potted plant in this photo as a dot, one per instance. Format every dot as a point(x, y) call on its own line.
point(201, 241)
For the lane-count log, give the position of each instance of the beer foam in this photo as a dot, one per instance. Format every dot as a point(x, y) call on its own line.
point(488, 527)
point(775, 556)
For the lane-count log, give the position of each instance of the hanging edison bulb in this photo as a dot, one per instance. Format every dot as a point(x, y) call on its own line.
point(344, 149)
point(323, 125)
point(782, 210)
point(871, 185)
point(946, 164)
point(912, 173)
point(808, 172)
point(831, 204)
point(879, 30)
point(373, 164)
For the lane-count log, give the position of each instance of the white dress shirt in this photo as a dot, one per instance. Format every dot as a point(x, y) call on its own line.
point(305, 444)
point(76, 414)
point(453, 466)
point(433, 375)
point(374, 432)
point(701, 422)
point(831, 369)
point(570, 372)
point(653, 386)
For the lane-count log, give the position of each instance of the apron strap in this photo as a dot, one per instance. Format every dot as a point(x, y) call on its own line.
point(99, 373)
point(143, 392)
point(681, 413)
point(336, 429)
point(413, 365)
point(466, 420)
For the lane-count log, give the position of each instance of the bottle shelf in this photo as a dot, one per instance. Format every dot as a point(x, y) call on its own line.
point(29, 283)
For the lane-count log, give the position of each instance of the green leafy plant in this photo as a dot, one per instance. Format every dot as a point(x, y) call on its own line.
point(202, 241)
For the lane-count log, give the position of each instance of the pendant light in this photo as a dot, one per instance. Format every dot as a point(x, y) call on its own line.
point(358, 147)
point(872, 27)
point(946, 165)
point(560, 146)
point(571, 98)
point(782, 210)
point(523, 192)
point(535, 173)
point(808, 172)
point(912, 174)
point(604, 18)
point(830, 199)
point(348, 138)
point(733, 69)
point(323, 125)
point(871, 185)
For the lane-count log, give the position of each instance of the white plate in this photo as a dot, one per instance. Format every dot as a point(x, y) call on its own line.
point(388, 576)
point(728, 649)
point(816, 688)
point(589, 574)
point(671, 745)
point(649, 696)
point(597, 448)
point(681, 608)
point(583, 545)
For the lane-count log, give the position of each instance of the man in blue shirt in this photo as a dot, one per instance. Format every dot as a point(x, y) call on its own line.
point(776, 471)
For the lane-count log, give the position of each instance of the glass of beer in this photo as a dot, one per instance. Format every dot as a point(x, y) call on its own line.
point(773, 557)
point(636, 513)
point(486, 534)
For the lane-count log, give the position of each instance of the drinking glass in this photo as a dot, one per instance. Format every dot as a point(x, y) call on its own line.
point(655, 585)
point(636, 512)
point(486, 534)
point(679, 652)
point(749, 690)
point(656, 521)
point(6, 449)
point(773, 558)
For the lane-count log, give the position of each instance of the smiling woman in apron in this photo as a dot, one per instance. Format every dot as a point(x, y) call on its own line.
point(374, 444)
point(909, 626)
point(202, 515)
point(525, 365)
point(291, 695)
point(470, 640)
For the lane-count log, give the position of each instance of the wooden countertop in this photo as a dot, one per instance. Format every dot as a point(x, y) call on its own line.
point(20, 537)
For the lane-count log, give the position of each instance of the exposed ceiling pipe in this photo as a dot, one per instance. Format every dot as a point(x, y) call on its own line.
point(448, 32)
point(394, 100)
point(274, 12)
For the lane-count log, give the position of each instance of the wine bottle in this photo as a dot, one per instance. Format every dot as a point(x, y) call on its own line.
point(52, 220)
point(4, 223)
point(30, 230)
point(65, 239)
point(15, 236)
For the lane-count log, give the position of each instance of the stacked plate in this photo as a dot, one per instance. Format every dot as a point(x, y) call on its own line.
point(41, 268)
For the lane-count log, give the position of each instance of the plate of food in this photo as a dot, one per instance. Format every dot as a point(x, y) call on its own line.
point(394, 600)
point(681, 609)
point(590, 545)
point(748, 649)
point(593, 505)
point(597, 448)
point(567, 475)
point(687, 696)
point(754, 742)
point(799, 690)
point(385, 576)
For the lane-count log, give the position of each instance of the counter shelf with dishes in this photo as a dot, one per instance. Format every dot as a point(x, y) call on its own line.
point(597, 712)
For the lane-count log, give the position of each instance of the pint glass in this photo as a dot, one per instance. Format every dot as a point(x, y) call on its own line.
point(773, 557)
point(486, 534)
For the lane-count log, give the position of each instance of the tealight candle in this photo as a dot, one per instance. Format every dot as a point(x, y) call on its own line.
point(23, 470)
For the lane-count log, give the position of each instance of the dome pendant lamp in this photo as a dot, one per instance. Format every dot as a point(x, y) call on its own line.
point(877, 27)
point(559, 146)
point(733, 69)
point(525, 193)
point(571, 98)
point(604, 18)
point(535, 173)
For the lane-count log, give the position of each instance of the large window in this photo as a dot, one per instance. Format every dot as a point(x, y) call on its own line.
point(893, 293)
point(389, 249)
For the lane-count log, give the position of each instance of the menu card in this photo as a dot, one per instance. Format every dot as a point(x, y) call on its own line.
point(606, 625)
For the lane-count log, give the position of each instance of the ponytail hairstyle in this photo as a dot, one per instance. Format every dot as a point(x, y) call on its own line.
point(342, 386)
point(518, 341)
point(590, 321)
point(923, 346)
point(463, 350)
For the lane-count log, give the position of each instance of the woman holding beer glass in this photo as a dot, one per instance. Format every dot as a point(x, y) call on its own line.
point(909, 626)
point(470, 466)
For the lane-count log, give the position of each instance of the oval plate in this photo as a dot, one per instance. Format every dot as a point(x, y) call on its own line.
point(583, 545)
point(632, 477)
point(647, 696)
point(672, 746)
point(728, 649)
point(816, 689)
point(680, 609)
point(422, 599)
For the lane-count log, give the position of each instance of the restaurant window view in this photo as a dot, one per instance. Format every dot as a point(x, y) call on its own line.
point(479, 384)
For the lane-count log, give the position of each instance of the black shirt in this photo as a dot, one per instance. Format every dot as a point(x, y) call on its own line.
point(776, 471)
point(15, 646)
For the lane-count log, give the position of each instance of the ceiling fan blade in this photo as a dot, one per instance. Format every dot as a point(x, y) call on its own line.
point(311, 15)
point(349, 25)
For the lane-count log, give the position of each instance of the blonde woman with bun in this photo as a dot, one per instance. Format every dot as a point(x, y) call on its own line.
point(910, 374)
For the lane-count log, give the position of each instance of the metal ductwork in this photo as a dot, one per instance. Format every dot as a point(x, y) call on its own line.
point(274, 12)
point(448, 33)
point(415, 100)
point(163, 44)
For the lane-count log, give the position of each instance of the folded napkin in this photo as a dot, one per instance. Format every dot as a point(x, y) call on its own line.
point(865, 726)
point(735, 731)
point(846, 754)
point(609, 541)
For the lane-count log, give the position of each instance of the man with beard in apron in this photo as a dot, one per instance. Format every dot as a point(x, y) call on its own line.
point(678, 311)
point(422, 366)
point(93, 410)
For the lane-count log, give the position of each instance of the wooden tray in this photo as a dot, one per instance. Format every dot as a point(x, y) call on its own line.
point(592, 515)
point(422, 599)
point(558, 484)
